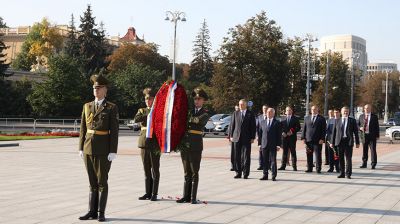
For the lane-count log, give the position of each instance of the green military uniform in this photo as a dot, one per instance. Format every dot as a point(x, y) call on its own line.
point(150, 152)
point(191, 157)
point(98, 138)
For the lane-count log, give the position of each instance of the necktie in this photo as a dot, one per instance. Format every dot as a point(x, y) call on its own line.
point(196, 110)
point(366, 123)
point(269, 123)
point(242, 115)
point(344, 127)
point(288, 120)
point(97, 106)
point(313, 119)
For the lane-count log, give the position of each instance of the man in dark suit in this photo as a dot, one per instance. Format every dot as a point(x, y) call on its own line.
point(369, 127)
point(290, 126)
point(242, 133)
point(269, 138)
point(344, 131)
point(260, 156)
point(232, 145)
point(313, 135)
point(332, 152)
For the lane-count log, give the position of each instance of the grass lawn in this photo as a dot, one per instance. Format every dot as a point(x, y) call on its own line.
point(14, 138)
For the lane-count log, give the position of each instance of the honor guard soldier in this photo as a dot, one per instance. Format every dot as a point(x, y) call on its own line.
point(98, 144)
point(150, 152)
point(191, 157)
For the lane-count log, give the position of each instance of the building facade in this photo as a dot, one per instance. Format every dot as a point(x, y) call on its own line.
point(379, 67)
point(353, 49)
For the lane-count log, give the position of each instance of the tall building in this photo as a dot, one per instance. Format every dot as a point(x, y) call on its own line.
point(379, 67)
point(348, 45)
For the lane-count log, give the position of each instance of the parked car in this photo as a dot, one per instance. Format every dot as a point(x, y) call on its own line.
point(393, 133)
point(133, 126)
point(223, 125)
point(211, 122)
point(391, 122)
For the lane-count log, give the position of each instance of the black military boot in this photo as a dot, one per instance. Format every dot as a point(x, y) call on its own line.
point(102, 205)
point(155, 190)
point(195, 185)
point(187, 187)
point(148, 183)
point(93, 203)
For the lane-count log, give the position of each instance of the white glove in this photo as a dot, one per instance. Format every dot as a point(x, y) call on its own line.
point(111, 156)
point(81, 154)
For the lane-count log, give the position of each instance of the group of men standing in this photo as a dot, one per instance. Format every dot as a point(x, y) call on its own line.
point(340, 133)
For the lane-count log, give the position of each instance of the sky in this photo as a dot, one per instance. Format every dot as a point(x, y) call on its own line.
point(377, 21)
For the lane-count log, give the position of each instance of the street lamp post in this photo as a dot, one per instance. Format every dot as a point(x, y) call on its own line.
point(309, 39)
point(326, 84)
point(174, 17)
point(353, 56)
point(386, 115)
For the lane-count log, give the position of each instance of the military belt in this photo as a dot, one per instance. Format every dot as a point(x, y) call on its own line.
point(96, 132)
point(195, 132)
point(143, 128)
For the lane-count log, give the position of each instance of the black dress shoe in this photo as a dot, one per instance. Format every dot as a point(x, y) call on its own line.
point(337, 171)
point(232, 169)
point(194, 201)
point(145, 197)
point(294, 168)
point(363, 166)
point(308, 171)
point(326, 163)
point(183, 200)
point(260, 168)
point(348, 177)
point(282, 168)
point(153, 198)
point(265, 177)
point(237, 176)
point(318, 171)
point(102, 218)
point(330, 170)
point(340, 176)
point(246, 177)
point(89, 215)
point(273, 179)
point(373, 167)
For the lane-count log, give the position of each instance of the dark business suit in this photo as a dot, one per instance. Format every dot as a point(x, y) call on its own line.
point(269, 139)
point(289, 142)
point(313, 132)
point(343, 137)
point(369, 138)
point(328, 150)
point(242, 131)
point(260, 156)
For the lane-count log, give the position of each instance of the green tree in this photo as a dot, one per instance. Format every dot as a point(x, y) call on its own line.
point(43, 40)
point(61, 94)
point(145, 54)
point(297, 80)
point(255, 57)
point(339, 88)
point(128, 85)
point(93, 47)
point(71, 47)
point(201, 67)
point(3, 65)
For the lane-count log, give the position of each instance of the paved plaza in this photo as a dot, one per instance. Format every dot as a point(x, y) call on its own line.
point(44, 181)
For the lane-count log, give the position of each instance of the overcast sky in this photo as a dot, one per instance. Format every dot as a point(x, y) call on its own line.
point(377, 21)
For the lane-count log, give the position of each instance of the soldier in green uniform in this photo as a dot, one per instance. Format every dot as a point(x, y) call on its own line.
point(191, 157)
point(150, 151)
point(98, 144)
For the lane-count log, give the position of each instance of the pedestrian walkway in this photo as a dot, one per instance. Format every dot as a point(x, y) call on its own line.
point(44, 181)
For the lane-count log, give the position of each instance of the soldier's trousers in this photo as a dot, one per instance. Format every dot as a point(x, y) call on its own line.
point(97, 167)
point(191, 164)
point(151, 167)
